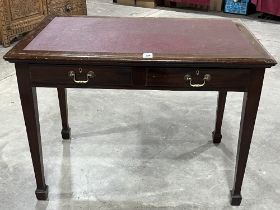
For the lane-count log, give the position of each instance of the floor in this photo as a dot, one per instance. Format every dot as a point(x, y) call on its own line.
point(141, 149)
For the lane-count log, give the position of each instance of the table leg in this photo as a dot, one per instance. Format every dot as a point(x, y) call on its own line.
point(248, 117)
point(62, 97)
point(29, 105)
point(216, 134)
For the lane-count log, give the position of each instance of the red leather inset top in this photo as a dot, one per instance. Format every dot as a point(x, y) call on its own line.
point(144, 35)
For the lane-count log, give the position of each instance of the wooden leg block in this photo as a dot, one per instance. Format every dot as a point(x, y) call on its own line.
point(217, 137)
point(66, 133)
point(42, 194)
point(235, 199)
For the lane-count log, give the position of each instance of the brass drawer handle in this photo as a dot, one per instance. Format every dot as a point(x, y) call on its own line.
point(206, 78)
point(90, 75)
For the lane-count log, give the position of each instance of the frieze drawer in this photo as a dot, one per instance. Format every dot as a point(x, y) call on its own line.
point(198, 78)
point(80, 75)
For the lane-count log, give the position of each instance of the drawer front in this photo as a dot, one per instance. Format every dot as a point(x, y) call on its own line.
point(198, 78)
point(80, 75)
point(67, 7)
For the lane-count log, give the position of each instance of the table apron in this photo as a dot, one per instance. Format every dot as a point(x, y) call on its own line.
point(146, 78)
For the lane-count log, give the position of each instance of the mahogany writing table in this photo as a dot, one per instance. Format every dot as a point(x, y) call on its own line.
point(140, 53)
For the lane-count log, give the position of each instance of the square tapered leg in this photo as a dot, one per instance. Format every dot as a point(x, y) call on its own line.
point(62, 97)
point(29, 105)
point(216, 134)
point(248, 118)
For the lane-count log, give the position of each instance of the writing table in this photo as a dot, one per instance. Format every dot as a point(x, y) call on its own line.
point(140, 53)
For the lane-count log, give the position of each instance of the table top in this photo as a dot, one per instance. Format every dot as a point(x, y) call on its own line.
point(111, 39)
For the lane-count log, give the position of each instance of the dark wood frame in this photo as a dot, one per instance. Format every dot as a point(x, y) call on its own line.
point(142, 74)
